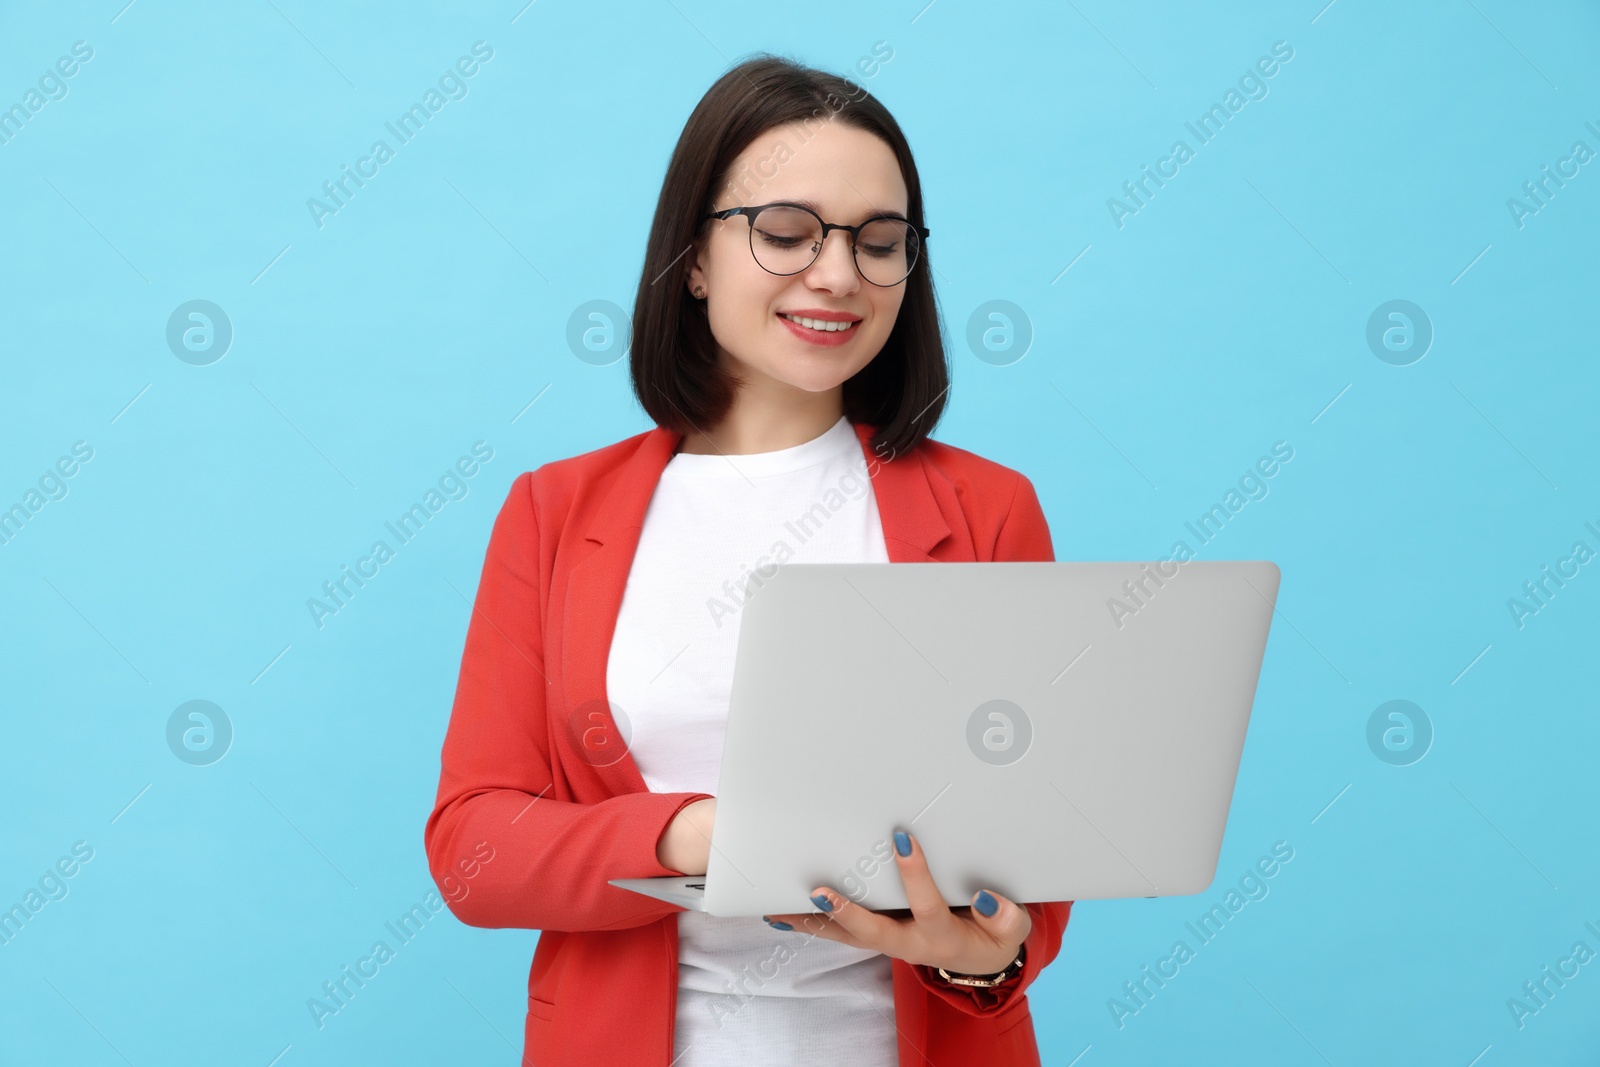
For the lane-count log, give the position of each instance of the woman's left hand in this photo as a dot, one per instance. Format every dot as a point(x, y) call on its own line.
point(981, 939)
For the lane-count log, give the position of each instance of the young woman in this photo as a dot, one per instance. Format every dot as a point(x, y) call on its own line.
point(786, 343)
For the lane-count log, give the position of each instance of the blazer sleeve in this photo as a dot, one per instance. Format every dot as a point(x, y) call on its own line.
point(1024, 536)
point(550, 859)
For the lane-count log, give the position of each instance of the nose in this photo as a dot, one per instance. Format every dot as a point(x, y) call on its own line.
point(835, 265)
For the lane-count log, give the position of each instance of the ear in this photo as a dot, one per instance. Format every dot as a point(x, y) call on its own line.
point(697, 267)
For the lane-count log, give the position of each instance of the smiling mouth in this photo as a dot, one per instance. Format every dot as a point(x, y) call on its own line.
point(820, 325)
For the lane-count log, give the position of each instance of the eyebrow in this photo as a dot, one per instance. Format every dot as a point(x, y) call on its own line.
point(814, 206)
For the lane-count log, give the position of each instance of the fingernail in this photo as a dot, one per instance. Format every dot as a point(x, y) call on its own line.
point(902, 842)
point(986, 904)
point(822, 902)
point(779, 925)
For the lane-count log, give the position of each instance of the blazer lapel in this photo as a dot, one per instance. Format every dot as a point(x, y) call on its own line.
point(908, 509)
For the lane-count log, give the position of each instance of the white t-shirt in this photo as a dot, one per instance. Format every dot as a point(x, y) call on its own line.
point(747, 994)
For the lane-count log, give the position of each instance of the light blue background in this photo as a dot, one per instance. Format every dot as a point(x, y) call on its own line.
point(369, 354)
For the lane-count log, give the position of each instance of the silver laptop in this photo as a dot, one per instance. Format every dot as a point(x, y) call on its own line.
point(1051, 731)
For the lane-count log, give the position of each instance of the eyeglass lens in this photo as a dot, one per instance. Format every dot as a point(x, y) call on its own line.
point(787, 240)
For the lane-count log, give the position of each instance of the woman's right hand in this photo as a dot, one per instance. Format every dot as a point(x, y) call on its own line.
point(685, 846)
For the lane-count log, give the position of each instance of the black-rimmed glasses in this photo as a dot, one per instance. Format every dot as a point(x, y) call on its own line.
point(787, 238)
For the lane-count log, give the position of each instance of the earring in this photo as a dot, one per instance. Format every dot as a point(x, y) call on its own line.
point(699, 292)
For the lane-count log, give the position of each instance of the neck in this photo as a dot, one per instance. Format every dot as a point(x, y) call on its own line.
point(748, 429)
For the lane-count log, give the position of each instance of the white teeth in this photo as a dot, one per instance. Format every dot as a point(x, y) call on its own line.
point(818, 324)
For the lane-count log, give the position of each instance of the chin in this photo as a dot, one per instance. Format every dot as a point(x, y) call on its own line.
point(820, 377)
point(816, 372)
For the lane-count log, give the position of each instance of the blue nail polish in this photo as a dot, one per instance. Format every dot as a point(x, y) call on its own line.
point(822, 902)
point(902, 842)
point(779, 925)
point(986, 904)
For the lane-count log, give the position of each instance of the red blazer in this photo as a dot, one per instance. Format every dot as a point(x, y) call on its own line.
point(535, 776)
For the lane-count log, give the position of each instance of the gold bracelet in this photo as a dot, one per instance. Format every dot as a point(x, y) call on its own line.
point(983, 981)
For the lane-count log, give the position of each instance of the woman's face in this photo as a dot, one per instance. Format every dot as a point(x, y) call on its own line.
point(848, 175)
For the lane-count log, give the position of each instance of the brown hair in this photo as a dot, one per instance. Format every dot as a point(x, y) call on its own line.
point(673, 356)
